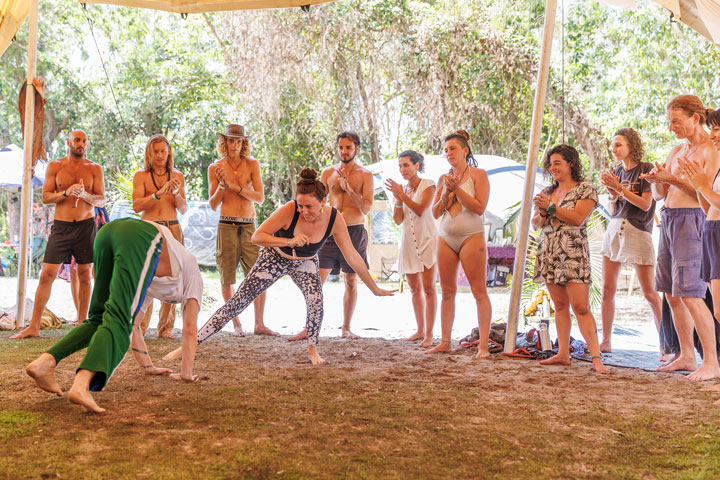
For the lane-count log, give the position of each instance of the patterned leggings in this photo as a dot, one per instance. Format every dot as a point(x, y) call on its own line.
point(269, 267)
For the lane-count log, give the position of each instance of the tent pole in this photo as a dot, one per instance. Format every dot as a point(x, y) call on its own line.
point(532, 160)
point(26, 201)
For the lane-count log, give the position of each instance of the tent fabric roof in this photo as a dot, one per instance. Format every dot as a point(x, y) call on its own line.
point(12, 16)
point(200, 6)
point(11, 168)
point(13, 12)
point(703, 16)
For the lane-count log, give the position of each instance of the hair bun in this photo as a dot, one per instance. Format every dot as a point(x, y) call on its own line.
point(463, 134)
point(308, 175)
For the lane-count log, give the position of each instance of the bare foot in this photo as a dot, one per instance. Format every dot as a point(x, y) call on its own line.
point(442, 347)
point(667, 357)
point(315, 359)
point(238, 332)
point(81, 396)
point(706, 372)
point(26, 333)
point(680, 363)
point(42, 370)
point(714, 388)
point(482, 353)
point(263, 330)
point(556, 360)
point(300, 336)
point(605, 347)
point(174, 355)
point(75, 323)
point(599, 367)
point(346, 333)
point(427, 342)
point(415, 336)
point(166, 335)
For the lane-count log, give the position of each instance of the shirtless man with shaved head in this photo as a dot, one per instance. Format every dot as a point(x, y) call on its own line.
point(75, 184)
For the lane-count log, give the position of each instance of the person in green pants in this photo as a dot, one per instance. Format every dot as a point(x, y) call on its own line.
point(129, 257)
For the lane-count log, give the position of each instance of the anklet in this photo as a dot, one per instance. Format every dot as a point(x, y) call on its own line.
point(597, 356)
point(444, 342)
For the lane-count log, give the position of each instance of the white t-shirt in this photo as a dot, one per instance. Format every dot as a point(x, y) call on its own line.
point(184, 282)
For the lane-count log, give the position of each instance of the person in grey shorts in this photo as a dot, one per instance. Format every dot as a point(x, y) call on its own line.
point(629, 235)
point(680, 247)
point(708, 193)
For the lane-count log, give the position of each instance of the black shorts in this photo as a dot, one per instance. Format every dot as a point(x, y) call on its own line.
point(330, 255)
point(71, 239)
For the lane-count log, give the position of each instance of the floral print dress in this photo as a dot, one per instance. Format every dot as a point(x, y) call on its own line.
point(563, 253)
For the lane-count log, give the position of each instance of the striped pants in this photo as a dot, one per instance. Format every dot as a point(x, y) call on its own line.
point(125, 254)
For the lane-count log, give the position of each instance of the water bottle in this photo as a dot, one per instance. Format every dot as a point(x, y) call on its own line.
point(545, 342)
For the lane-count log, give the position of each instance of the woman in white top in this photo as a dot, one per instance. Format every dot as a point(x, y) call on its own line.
point(418, 246)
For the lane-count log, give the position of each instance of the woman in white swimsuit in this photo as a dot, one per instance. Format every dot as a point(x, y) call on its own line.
point(460, 201)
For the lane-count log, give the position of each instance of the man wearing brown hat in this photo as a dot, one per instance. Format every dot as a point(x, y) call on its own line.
point(236, 186)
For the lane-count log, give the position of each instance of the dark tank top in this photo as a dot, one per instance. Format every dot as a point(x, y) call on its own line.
point(311, 248)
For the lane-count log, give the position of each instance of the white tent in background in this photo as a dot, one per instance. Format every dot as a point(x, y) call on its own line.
point(12, 160)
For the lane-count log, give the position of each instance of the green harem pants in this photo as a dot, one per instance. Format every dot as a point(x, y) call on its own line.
point(126, 253)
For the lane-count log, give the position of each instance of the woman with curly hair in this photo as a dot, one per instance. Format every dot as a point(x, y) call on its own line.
point(563, 256)
point(629, 234)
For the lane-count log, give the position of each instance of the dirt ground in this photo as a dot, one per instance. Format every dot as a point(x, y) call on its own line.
point(380, 408)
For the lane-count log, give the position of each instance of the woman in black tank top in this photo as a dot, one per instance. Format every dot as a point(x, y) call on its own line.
point(290, 238)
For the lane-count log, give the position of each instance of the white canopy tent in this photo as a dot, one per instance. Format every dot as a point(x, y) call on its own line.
point(701, 15)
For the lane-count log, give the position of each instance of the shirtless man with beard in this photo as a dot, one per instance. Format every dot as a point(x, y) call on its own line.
point(75, 184)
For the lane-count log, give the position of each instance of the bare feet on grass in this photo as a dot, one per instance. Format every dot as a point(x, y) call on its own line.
point(706, 372)
point(263, 330)
point(415, 336)
point(605, 347)
point(556, 360)
point(42, 370)
point(300, 336)
point(174, 355)
point(79, 393)
point(315, 359)
point(442, 347)
point(681, 363)
point(427, 342)
point(346, 333)
point(26, 333)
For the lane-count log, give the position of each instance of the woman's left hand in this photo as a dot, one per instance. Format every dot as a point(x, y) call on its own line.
point(156, 371)
point(381, 292)
point(694, 172)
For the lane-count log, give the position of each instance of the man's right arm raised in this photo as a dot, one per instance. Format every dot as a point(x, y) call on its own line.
point(216, 193)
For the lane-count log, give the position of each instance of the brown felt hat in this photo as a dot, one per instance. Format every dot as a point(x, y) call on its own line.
point(233, 130)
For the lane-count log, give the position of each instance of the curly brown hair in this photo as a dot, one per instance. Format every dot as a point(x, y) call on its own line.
point(571, 156)
point(222, 149)
point(637, 151)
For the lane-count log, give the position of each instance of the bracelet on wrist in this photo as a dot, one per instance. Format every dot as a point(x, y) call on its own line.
point(398, 205)
point(65, 193)
point(222, 186)
point(240, 191)
point(288, 242)
point(155, 197)
point(443, 200)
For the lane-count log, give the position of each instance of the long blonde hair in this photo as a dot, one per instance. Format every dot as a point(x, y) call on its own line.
point(148, 153)
point(222, 149)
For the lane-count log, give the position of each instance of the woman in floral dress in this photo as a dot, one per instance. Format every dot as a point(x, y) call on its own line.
point(563, 258)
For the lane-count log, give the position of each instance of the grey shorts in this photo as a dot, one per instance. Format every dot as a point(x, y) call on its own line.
point(680, 253)
point(710, 268)
point(331, 257)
